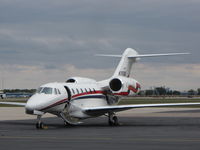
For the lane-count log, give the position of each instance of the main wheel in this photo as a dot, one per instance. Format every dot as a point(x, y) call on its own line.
point(113, 121)
point(39, 125)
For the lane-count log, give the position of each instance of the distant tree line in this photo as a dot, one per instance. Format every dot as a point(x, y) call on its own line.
point(31, 91)
point(163, 91)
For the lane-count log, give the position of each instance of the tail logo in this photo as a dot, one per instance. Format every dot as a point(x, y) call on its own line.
point(135, 90)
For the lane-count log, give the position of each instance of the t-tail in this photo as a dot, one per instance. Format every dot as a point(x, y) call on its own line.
point(131, 56)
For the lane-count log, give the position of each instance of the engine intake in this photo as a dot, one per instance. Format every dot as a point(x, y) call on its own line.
point(115, 84)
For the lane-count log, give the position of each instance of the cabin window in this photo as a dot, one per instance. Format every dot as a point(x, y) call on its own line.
point(90, 90)
point(77, 91)
point(73, 91)
point(86, 90)
point(82, 90)
point(94, 90)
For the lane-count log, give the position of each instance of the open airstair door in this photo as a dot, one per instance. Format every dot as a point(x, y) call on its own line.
point(68, 93)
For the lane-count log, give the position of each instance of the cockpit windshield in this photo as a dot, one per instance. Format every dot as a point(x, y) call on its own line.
point(45, 90)
point(39, 89)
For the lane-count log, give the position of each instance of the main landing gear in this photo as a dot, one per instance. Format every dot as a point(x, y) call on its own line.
point(112, 119)
point(39, 124)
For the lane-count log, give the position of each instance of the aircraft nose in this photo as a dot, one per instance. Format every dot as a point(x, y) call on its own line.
point(32, 104)
point(29, 107)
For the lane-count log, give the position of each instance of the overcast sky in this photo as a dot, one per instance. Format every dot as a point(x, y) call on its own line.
point(46, 40)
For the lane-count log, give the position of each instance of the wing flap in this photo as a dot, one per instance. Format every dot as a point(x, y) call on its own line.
point(117, 108)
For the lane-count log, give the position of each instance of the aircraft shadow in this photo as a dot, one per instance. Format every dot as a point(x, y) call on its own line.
point(57, 123)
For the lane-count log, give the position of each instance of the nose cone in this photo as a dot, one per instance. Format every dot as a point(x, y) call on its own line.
point(34, 103)
point(30, 106)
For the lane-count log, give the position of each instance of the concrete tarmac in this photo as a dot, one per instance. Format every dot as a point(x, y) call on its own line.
point(140, 129)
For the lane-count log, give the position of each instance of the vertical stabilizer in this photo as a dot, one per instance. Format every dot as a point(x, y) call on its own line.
point(125, 64)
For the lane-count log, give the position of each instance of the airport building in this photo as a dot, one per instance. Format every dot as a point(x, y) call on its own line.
point(2, 94)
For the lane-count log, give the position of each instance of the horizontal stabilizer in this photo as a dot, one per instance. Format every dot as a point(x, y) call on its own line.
point(156, 55)
point(145, 55)
point(104, 55)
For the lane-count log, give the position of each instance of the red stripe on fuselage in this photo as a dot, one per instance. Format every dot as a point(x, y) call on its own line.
point(73, 96)
point(87, 93)
point(55, 104)
point(122, 93)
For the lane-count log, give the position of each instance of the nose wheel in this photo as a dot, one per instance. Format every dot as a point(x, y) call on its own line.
point(112, 119)
point(39, 124)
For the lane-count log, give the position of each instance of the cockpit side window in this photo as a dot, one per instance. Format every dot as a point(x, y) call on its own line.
point(47, 90)
point(39, 89)
point(55, 91)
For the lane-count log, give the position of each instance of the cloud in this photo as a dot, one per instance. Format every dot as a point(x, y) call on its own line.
point(179, 76)
point(51, 34)
point(25, 76)
point(175, 76)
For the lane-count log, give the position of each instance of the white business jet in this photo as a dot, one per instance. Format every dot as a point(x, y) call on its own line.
point(81, 98)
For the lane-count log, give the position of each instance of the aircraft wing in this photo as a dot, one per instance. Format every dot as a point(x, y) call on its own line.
point(117, 108)
point(13, 103)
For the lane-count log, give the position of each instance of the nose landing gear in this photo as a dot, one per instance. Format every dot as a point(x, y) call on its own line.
point(39, 124)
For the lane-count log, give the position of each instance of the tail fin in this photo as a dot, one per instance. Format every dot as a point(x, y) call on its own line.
point(125, 64)
point(129, 57)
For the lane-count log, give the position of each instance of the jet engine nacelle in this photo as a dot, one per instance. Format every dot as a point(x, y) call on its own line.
point(80, 80)
point(124, 86)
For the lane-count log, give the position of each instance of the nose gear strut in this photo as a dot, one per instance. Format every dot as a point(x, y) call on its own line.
point(39, 124)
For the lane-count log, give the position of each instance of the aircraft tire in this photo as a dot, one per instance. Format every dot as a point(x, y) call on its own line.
point(39, 125)
point(113, 121)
